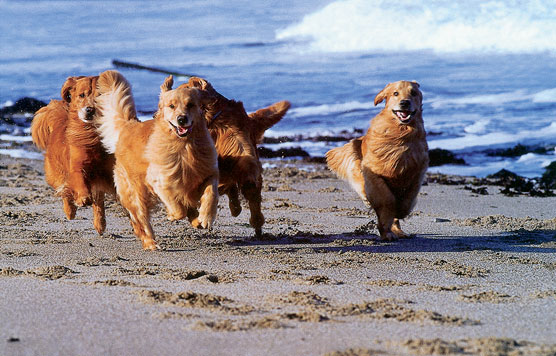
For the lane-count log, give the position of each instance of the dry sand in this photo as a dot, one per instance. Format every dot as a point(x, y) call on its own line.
point(479, 276)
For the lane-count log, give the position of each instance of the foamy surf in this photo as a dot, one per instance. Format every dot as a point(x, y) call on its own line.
point(20, 153)
point(443, 26)
point(496, 138)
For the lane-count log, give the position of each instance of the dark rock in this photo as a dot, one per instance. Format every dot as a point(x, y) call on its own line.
point(320, 159)
point(478, 190)
point(514, 184)
point(505, 176)
point(343, 136)
point(439, 157)
point(21, 107)
point(517, 150)
point(282, 152)
point(548, 179)
point(444, 179)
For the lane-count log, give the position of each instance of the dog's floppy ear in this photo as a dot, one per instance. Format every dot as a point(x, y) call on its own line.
point(382, 95)
point(168, 83)
point(200, 83)
point(207, 94)
point(66, 88)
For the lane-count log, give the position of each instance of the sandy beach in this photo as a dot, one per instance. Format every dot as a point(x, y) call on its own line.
point(478, 277)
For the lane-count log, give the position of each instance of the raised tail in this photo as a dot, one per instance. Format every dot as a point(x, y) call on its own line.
point(46, 120)
point(345, 161)
point(264, 119)
point(116, 107)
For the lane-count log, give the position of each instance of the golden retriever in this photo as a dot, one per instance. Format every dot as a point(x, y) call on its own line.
point(386, 167)
point(171, 157)
point(75, 164)
point(236, 136)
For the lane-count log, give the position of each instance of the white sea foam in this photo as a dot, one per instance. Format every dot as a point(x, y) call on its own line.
point(328, 109)
point(315, 149)
point(511, 26)
point(7, 103)
point(545, 96)
point(15, 138)
point(496, 138)
point(20, 153)
point(487, 99)
point(529, 165)
point(477, 128)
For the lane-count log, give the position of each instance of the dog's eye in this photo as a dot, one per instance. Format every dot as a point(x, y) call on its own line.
point(414, 93)
point(82, 95)
point(396, 93)
point(172, 106)
point(190, 105)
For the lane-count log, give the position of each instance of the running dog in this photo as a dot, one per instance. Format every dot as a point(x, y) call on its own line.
point(76, 165)
point(236, 136)
point(171, 157)
point(386, 167)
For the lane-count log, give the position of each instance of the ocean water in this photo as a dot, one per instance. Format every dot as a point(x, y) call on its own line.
point(487, 69)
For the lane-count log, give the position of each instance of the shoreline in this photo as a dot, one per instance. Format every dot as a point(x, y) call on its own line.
point(15, 120)
point(478, 276)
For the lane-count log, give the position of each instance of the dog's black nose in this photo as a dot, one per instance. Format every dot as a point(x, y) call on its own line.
point(405, 104)
point(90, 110)
point(182, 120)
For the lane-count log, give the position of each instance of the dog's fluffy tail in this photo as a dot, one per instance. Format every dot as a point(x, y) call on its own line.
point(116, 107)
point(345, 161)
point(268, 117)
point(46, 119)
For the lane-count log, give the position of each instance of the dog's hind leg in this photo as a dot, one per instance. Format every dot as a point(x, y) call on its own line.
point(233, 196)
point(99, 217)
point(67, 201)
point(140, 221)
point(252, 192)
point(134, 197)
point(69, 207)
point(143, 229)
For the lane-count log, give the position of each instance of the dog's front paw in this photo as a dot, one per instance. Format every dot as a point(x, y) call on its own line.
point(206, 224)
point(388, 236)
point(196, 223)
point(204, 221)
point(402, 235)
point(174, 216)
point(150, 245)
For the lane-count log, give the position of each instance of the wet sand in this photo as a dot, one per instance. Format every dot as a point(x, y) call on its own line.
point(478, 277)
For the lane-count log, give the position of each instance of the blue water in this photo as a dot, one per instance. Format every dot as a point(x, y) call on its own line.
point(487, 68)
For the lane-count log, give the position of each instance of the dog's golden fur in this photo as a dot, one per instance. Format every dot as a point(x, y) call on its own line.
point(76, 165)
point(171, 157)
point(386, 167)
point(236, 136)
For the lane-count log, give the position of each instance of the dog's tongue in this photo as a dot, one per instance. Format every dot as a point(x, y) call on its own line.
point(182, 130)
point(403, 114)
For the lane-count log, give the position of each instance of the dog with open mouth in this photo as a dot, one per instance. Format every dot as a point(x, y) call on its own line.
point(386, 167)
point(171, 158)
point(236, 135)
point(76, 164)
